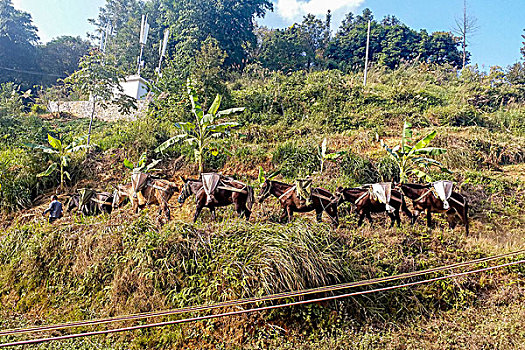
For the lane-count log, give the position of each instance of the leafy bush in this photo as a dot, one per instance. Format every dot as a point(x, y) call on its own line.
point(296, 161)
point(10, 100)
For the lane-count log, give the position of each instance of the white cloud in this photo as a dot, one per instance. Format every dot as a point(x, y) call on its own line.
point(295, 9)
point(17, 4)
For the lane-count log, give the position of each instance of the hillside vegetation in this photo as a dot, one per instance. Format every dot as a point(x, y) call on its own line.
point(90, 267)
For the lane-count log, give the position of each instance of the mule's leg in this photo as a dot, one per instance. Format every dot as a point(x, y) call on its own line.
point(398, 217)
point(167, 212)
point(392, 219)
point(369, 218)
point(361, 218)
point(290, 213)
point(239, 209)
point(198, 210)
point(451, 218)
point(429, 218)
point(283, 215)
point(415, 216)
point(319, 214)
point(332, 212)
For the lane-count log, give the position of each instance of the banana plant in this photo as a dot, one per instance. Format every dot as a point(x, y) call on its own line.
point(63, 152)
point(202, 133)
point(263, 176)
point(327, 156)
point(140, 166)
point(414, 160)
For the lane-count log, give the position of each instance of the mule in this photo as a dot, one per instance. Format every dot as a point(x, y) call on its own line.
point(241, 196)
point(101, 202)
point(423, 199)
point(321, 200)
point(366, 204)
point(150, 190)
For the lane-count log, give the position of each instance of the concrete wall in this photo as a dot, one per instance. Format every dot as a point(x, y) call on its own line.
point(82, 109)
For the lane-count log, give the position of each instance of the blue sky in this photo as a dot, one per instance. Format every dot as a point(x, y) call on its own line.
point(496, 42)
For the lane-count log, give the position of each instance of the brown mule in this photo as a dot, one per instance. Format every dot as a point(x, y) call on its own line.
point(366, 204)
point(228, 192)
point(423, 199)
point(146, 190)
point(322, 200)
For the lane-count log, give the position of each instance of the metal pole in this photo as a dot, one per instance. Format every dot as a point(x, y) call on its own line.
point(140, 58)
point(367, 48)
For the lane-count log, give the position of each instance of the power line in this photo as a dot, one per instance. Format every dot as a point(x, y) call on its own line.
point(32, 72)
point(245, 301)
point(240, 312)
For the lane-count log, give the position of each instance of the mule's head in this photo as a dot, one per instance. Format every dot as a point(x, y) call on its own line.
point(185, 193)
point(73, 202)
point(339, 195)
point(265, 190)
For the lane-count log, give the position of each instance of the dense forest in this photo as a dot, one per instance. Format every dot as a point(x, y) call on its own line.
point(281, 104)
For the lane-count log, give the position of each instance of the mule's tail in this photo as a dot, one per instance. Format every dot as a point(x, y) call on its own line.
point(465, 215)
point(404, 208)
point(251, 198)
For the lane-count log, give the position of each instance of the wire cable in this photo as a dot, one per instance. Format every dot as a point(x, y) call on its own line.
point(245, 301)
point(232, 313)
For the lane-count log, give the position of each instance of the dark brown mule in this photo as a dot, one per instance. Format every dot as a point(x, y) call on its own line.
point(424, 199)
point(242, 198)
point(366, 204)
point(153, 191)
point(100, 202)
point(322, 200)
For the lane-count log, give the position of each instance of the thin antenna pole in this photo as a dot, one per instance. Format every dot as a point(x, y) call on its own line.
point(367, 48)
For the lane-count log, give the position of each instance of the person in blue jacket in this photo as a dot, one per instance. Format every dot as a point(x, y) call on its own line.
point(54, 210)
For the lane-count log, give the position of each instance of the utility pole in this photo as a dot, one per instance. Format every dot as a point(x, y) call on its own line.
point(144, 29)
point(162, 51)
point(366, 57)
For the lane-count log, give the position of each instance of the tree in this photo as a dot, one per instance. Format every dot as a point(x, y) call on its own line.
point(201, 133)
point(413, 160)
point(208, 74)
point(465, 27)
point(284, 49)
point(18, 37)
point(316, 36)
point(98, 78)
point(230, 22)
point(61, 56)
point(63, 152)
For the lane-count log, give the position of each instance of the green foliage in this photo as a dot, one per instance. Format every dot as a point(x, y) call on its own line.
point(201, 133)
point(17, 49)
point(295, 160)
point(63, 152)
point(98, 78)
point(327, 156)
point(140, 166)
point(413, 160)
point(17, 179)
point(391, 44)
point(10, 100)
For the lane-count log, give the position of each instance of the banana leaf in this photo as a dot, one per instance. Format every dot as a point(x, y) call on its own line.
point(48, 171)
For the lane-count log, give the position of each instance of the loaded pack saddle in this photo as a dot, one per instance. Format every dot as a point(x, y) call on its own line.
point(213, 181)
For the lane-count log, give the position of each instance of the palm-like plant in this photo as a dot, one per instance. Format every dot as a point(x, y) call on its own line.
point(327, 156)
point(202, 133)
point(63, 152)
point(414, 160)
point(140, 166)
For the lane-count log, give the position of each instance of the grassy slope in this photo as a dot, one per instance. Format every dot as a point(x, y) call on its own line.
point(95, 267)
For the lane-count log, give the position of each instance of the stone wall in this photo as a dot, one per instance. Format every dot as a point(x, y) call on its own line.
point(82, 109)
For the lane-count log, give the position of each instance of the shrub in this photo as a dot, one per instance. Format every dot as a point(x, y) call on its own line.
point(293, 160)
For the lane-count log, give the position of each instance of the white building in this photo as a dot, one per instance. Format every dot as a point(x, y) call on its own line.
point(135, 86)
